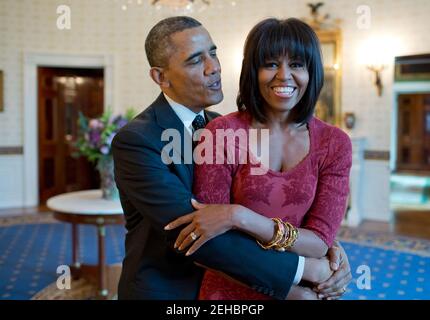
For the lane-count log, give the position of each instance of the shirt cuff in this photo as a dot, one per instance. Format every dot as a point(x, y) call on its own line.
point(299, 272)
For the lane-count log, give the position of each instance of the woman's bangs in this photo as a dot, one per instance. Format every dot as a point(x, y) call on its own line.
point(281, 42)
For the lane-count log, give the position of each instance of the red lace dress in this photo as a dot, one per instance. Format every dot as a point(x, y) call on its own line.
point(312, 195)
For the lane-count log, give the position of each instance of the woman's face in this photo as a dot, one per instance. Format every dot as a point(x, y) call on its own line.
point(283, 82)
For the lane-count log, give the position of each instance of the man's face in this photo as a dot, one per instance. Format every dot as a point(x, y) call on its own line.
point(193, 72)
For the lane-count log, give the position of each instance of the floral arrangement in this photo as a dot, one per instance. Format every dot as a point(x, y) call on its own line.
point(96, 135)
point(94, 142)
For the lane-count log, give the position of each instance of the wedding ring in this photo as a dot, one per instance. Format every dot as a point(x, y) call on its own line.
point(193, 236)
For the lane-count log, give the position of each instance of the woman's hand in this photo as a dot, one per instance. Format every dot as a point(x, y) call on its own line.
point(207, 222)
point(335, 286)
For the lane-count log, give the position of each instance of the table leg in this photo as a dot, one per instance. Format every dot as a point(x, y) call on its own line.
point(103, 292)
point(75, 246)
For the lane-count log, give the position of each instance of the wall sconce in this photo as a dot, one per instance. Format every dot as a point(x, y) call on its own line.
point(378, 82)
point(377, 53)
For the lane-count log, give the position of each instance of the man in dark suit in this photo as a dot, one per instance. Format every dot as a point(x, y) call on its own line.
point(154, 192)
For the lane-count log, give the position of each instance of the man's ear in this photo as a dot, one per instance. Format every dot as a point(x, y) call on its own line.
point(158, 75)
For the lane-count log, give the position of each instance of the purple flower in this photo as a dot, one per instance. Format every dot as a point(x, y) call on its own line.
point(95, 124)
point(121, 123)
point(94, 137)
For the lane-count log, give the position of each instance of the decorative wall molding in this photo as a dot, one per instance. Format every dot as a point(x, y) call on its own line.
point(31, 62)
point(18, 150)
point(377, 155)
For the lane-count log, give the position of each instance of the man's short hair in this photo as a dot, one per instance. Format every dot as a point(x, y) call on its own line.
point(158, 44)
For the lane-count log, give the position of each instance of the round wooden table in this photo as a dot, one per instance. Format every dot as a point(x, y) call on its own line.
point(88, 207)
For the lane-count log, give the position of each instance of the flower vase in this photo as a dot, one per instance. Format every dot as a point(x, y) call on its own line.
point(107, 181)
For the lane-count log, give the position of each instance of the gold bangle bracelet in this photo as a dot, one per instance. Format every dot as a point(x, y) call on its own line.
point(277, 236)
point(284, 237)
point(293, 236)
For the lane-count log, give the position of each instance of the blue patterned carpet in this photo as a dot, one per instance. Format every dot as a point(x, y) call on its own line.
point(395, 275)
point(30, 254)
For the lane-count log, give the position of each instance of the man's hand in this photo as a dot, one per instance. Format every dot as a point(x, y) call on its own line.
point(336, 285)
point(207, 222)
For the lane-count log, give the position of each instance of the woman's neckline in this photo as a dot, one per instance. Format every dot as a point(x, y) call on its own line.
point(309, 125)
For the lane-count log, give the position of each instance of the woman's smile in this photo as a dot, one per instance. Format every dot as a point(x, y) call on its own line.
point(284, 92)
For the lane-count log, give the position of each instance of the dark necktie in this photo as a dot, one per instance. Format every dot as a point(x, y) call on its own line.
point(198, 123)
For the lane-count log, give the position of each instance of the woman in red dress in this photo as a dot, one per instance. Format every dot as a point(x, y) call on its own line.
point(304, 182)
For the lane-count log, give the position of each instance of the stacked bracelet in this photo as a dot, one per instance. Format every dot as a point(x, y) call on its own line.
point(284, 238)
point(277, 236)
point(290, 237)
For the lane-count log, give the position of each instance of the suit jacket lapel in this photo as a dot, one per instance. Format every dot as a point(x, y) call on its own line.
point(167, 119)
point(210, 116)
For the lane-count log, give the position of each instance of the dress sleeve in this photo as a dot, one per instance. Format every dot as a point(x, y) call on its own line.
point(213, 178)
point(329, 206)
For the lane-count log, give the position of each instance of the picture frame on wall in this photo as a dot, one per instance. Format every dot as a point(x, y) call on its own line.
point(1, 92)
point(328, 107)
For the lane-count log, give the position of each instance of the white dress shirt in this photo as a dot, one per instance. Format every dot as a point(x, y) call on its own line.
point(300, 270)
point(187, 117)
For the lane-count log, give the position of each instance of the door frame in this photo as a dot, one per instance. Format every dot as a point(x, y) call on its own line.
point(407, 87)
point(31, 62)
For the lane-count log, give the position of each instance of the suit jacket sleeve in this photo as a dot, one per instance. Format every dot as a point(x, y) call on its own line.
point(158, 194)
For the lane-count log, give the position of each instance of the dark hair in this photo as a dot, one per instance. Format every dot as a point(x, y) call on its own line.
point(157, 43)
point(271, 39)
